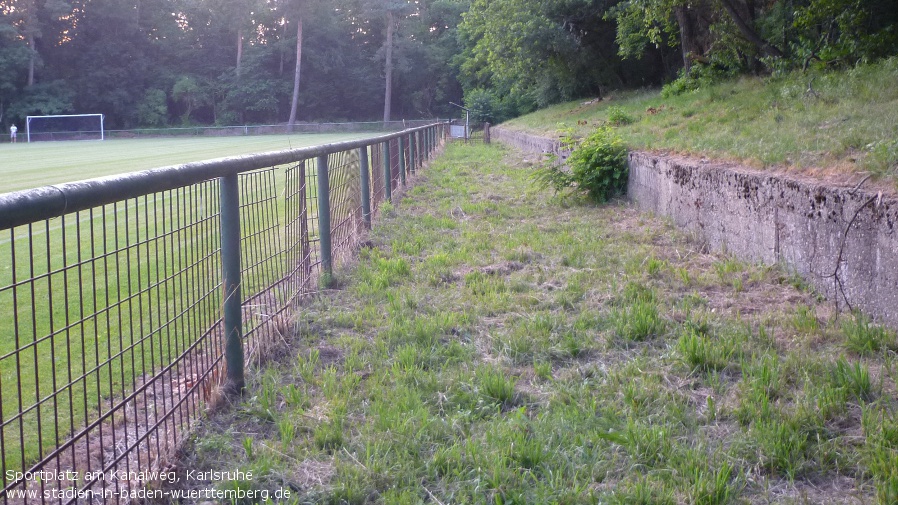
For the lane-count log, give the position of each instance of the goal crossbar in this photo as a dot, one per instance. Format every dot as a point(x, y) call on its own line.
point(54, 116)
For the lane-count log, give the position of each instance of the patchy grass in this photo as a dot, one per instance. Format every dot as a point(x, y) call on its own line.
point(847, 122)
point(500, 346)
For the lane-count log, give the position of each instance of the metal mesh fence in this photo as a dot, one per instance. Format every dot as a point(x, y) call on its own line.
point(112, 339)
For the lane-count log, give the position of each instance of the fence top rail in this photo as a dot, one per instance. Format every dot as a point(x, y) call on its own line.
point(33, 205)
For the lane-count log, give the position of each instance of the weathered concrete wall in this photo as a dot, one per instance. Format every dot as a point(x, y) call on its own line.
point(526, 142)
point(808, 226)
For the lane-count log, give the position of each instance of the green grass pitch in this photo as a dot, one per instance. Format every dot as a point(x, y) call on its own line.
point(26, 166)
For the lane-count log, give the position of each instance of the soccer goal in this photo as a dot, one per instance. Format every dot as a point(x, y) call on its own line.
point(65, 127)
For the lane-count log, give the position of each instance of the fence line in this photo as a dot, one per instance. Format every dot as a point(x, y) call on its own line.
point(130, 302)
point(235, 130)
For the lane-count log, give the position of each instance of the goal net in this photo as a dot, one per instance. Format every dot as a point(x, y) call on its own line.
point(65, 127)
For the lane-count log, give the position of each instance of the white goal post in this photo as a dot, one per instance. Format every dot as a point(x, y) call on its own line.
point(65, 127)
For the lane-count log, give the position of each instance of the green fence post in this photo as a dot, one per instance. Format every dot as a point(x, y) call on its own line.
point(418, 149)
point(403, 164)
point(366, 186)
point(388, 174)
point(229, 192)
point(412, 159)
point(418, 162)
point(324, 219)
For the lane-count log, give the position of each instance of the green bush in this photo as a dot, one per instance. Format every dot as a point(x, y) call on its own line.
point(597, 166)
point(618, 117)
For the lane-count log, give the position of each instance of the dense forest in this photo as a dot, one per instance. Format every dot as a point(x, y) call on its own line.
point(184, 62)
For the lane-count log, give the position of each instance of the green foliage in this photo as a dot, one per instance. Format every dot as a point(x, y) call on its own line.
point(844, 32)
point(698, 76)
point(642, 24)
point(597, 167)
point(44, 99)
point(153, 109)
point(619, 117)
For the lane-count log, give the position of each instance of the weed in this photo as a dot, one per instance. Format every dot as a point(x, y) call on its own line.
point(805, 321)
point(543, 370)
point(328, 435)
point(713, 486)
point(782, 446)
point(495, 385)
point(654, 266)
point(702, 353)
point(305, 366)
point(598, 167)
point(618, 117)
point(638, 321)
point(865, 338)
point(287, 432)
point(527, 451)
point(880, 451)
point(854, 378)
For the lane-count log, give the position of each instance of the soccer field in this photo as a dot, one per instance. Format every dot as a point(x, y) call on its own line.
point(25, 166)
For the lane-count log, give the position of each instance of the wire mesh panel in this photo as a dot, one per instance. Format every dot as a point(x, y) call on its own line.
point(347, 223)
point(299, 256)
point(112, 329)
point(394, 164)
point(262, 255)
point(377, 177)
point(108, 350)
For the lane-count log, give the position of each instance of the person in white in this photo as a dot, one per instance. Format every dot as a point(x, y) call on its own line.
point(12, 133)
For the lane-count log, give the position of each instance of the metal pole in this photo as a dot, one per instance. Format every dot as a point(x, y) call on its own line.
point(324, 219)
point(366, 186)
point(230, 266)
point(412, 158)
point(388, 175)
point(419, 148)
point(403, 163)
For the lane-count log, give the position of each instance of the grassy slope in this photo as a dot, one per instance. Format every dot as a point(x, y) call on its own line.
point(497, 347)
point(849, 123)
point(25, 166)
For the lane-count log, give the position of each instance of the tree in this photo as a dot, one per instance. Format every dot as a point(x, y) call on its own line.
point(297, 10)
point(393, 12)
point(530, 53)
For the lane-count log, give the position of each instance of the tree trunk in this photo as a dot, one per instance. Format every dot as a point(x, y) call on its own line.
point(686, 35)
point(32, 53)
point(295, 104)
point(694, 21)
point(747, 31)
point(239, 48)
point(388, 68)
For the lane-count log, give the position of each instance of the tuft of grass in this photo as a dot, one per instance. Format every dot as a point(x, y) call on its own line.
point(638, 321)
point(496, 386)
point(713, 486)
point(865, 338)
point(703, 353)
point(854, 378)
point(328, 435)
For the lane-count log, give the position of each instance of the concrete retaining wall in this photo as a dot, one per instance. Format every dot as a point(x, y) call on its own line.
point(810, 227)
